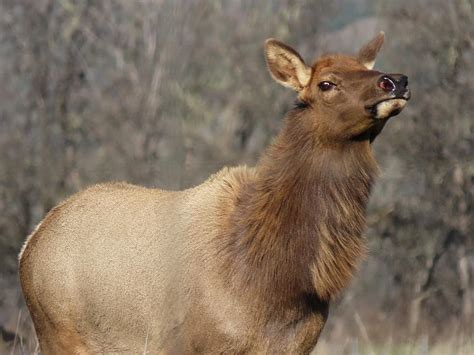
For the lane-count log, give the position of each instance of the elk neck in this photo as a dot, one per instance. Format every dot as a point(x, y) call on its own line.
point(297, 225)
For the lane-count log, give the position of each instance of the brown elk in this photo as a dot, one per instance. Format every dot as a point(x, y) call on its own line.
point(248, 261)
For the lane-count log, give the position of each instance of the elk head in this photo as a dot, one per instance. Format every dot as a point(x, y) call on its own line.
point(343, 97)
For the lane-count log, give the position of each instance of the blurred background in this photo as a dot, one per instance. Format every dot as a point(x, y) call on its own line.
point(163, 93)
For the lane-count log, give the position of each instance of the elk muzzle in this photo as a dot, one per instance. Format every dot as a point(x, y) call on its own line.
point(394, 98)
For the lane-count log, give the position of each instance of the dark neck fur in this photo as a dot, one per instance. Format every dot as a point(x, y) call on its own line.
point(297, 226)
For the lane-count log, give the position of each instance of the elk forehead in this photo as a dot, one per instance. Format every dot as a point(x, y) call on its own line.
point(335, 67)
point(337, 62)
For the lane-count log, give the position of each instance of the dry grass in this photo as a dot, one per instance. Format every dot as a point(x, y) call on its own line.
point(24, 341)
point(28, 344)
point(354, 346)
point(420, 347)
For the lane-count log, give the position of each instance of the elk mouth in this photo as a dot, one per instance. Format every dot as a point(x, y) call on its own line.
point(388, 107)
point(382, 110)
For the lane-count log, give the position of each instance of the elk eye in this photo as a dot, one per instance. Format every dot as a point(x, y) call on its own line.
point(326, 85)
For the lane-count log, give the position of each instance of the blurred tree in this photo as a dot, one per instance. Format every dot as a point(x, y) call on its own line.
point(163, 93)
point(430, 220)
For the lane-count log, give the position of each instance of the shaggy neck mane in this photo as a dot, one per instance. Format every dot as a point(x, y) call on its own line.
point(297, 225)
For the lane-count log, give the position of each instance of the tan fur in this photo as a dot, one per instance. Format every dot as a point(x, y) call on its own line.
point(385, 108)
point(246, 262)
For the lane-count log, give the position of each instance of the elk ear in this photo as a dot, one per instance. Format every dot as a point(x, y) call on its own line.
point(368, 53)
point(286, 65)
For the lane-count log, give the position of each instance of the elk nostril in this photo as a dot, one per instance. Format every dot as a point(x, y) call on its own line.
point(402, 80)
point(387, 84)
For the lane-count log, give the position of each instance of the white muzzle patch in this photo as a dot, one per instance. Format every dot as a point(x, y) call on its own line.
point(389, 108)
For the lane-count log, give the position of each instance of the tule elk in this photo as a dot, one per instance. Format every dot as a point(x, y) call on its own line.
point(248, 261)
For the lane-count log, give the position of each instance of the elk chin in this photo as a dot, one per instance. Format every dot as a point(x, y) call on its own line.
point(387, 108)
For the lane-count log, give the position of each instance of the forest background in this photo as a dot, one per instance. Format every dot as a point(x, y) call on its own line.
point(164, 93)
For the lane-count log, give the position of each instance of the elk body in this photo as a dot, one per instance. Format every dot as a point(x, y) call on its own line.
point(248, 261)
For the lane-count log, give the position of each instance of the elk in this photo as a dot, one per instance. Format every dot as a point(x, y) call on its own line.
point(246, 262)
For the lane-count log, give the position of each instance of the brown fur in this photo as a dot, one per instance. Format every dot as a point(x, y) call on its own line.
point(247, 262)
